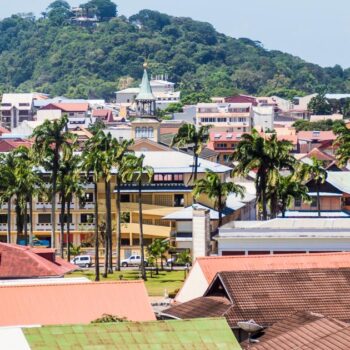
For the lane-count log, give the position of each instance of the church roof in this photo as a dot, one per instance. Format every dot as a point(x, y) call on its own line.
point(145, 93)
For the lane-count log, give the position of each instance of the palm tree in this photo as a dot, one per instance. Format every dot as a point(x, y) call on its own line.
point(69, 185)
point(318, 174)
point(216, 190)
point(92, 165)
point(139, 172)
point(288, 190)
point(52, 143)
point(122, 160)
point(266, 157)
point(343, 144)
point(188, 135)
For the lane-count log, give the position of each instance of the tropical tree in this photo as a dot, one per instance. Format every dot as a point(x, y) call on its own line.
point(319, 105)
point(266, 157)
point(70, 185)
point(157, 250)
point(92, 165)
point(289, 189)
point(317, 173)
point(122, 160)
point(216, 190)
point(52, 144)
point(139, 172)
point(188, 135)
point(184, 258)
point(343, 144)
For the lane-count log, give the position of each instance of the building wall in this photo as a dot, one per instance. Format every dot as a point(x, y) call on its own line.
point(327, 203)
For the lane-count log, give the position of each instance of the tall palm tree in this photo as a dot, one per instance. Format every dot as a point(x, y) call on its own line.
point(52, 143)
point(69, 184)
point(289, 189)
point(216, 190)
point(139, 172)
point(266, 157)
point(122, 160)
point(92, 164)
point(318, 174)
point(189, 135)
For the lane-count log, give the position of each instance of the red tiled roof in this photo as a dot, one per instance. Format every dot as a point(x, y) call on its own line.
point(23, 262)
point(104, 114)
point(320, 155)
point(49, 304)
point(68, 107)
point(320, 136)
point(4, 130)
point(241, 99)
point(212, 265)
point(269, 296)
point(10, 144)
point(304, 330)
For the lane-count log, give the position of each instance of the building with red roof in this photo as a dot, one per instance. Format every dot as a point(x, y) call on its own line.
point(57, 110)
point(308, 140)
point(103, 114)
point(24, 262)
point(73, 303)
point(205, 268)
point(7, 145)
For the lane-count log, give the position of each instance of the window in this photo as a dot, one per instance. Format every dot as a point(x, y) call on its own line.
point(125, 218)
point(87, 218)
point(313, 202)
point(347, 201)
point(3, 219)
point(125, 241)
point(158, 178)
point(66, 218)
point(125, 198)
point(297, 202)
point(89, 197)
point(44, 218)
point(179, 200)
point(178, 177)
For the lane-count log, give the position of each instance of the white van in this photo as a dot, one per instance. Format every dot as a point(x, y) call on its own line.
point(82, 261)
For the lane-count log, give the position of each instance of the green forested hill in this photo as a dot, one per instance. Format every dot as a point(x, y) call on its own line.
point(63, 59)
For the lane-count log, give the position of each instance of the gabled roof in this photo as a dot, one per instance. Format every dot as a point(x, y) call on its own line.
point(319, 155)
point(269, 296)
point(25, 262)
point(340, 180)
point(68, 107)
point(305, 330)
point(73, 303)
point(104, 114)
point(7, 145)
point(210, 334)
point(211, 265)
point(319, 135)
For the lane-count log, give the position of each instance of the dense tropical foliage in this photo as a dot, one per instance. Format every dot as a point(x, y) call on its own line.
point(54, 55)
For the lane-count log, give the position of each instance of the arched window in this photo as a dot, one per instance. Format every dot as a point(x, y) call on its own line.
point(144, 132)
point(150, 133)
point(138, 133)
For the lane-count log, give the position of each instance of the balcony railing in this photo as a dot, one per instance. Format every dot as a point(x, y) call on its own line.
point(164, 187)
point(87, 206)
point(43, 226)
point(86, 226)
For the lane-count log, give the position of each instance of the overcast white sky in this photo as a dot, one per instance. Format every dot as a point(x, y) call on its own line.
point(316, 30)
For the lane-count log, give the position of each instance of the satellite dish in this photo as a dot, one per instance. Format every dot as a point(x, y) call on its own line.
point(250, 326)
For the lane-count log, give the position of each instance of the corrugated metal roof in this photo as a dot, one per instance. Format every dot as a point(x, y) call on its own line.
point(210, 334)
point(340, 180)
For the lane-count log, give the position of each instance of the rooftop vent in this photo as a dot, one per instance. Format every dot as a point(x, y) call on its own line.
point(238, 136)
point(217, 136)
point(229, 136)
point(316, 133)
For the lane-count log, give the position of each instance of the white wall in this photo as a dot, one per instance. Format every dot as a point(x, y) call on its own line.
point(49, 114)
point(194, 286)
point(284, 244)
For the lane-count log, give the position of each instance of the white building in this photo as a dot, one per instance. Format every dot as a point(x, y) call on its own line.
point(264, 117)
point(284, 235)
point(15, 108)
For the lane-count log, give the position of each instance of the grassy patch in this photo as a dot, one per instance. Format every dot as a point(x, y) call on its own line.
point(169, 280)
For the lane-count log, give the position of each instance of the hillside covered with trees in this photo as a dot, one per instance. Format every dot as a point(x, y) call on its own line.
point(51, 54)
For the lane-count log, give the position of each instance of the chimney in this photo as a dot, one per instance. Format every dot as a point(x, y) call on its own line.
point(200, 232)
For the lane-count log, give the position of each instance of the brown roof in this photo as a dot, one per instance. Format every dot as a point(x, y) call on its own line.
point(4, 130)
point(200, 307)
point(320, 136)
point(304, 330)
point(105, 114)
point(211, 265)
point(25, 262)
point(10, 144)
point(319, 155)
point(269, 296)
point(73, 303)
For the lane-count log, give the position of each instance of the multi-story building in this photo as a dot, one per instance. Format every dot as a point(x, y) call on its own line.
point(15, 108)
point(232, 117)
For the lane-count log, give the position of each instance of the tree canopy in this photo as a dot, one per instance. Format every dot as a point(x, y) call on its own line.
point(54, 55)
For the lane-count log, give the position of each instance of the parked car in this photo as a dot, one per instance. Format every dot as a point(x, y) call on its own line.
point(82, 261)
point(133, 260)
point(173, 262)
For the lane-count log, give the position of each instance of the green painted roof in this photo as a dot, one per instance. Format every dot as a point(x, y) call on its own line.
point(201, 334)
point(145, 93)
